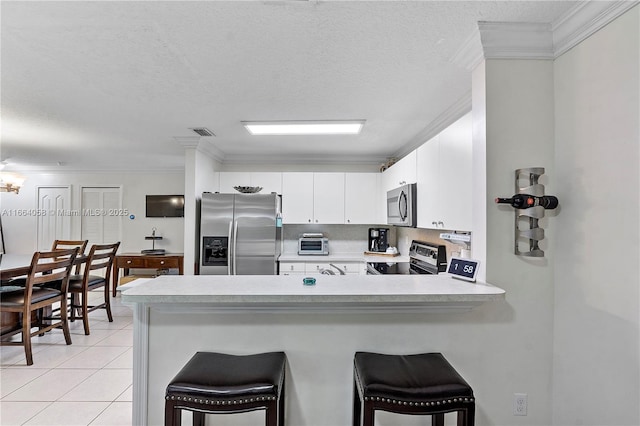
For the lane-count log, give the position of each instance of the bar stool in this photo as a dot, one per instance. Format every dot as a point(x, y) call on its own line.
point(216, 383)
point(421, 384)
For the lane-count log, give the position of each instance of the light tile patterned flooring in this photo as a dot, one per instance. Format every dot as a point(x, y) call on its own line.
point(85, 383)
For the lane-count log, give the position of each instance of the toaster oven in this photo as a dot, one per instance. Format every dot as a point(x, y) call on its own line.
point(313, 246)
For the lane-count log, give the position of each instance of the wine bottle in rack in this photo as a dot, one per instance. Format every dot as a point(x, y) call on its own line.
point(524, 201)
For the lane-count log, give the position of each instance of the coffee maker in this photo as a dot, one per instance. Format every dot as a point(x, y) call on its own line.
point(378, 241)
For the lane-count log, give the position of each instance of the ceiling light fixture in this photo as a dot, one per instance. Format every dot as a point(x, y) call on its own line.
point(285, 128)
point(10, 182)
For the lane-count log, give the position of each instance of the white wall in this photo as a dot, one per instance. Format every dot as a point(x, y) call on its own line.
point(596, 328)
point(20, 231)
point(518, 107)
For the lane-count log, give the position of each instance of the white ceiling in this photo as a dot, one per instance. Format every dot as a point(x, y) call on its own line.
point(112, 85)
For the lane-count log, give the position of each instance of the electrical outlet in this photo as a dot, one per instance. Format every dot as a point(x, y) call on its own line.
point(519, 404)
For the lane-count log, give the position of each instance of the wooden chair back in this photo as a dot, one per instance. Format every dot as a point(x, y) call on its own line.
point(51, 266)
point(101, 256)
point(67, 244)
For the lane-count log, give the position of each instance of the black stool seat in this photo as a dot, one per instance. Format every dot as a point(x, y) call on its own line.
point(214, 383)
point(410, 384)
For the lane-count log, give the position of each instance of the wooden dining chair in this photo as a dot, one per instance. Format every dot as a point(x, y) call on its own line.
point(100, 258)
point(68, 244)
point(46, 267)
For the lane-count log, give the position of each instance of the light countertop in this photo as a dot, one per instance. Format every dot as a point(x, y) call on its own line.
point(288, 290)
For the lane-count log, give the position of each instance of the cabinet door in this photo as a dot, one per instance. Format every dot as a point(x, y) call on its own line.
point(456, 174)
point(328, 198)
point(297, 197)
point(230, 179)
point(428, 188)
point(401, 173)
point(293, 268)
point(269, 181)
point(360, 198)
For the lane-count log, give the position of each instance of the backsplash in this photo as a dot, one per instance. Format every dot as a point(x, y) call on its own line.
point(353, 238)
point(342, 238)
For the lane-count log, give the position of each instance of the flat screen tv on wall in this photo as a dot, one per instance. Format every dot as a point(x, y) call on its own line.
point(165, 205)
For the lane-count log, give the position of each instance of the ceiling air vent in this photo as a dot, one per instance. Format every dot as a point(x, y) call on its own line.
point(202, 131)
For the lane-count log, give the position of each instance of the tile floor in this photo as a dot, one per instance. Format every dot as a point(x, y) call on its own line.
point(85, 383)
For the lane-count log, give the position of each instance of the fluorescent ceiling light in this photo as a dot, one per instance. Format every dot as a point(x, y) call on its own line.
point(351, 127)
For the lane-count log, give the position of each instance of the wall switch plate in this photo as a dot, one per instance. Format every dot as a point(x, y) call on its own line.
point(520, 404)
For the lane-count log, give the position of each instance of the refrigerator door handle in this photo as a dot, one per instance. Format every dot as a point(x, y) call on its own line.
point(235, 244)
point(229, 258)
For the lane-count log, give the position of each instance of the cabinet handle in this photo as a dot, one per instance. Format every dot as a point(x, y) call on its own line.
point(128, 262)
point(292, 267)
point(316, 220)
point(434, 223)
point(162, 262)
point(441, 223)
point(309, 220)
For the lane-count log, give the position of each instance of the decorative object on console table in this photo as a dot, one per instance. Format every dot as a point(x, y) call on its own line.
point(530, 204)
point(153, 249)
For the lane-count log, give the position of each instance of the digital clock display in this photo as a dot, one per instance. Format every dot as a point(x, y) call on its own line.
point(465, 269)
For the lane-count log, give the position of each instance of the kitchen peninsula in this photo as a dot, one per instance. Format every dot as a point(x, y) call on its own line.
point(319, 327)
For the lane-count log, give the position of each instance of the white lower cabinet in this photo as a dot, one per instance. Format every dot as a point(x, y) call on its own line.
point(300, 268)
point(292, 268)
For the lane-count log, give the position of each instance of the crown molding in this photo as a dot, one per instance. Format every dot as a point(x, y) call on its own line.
point(187, 141)
point(470, 54)
point(202, 145)
point(441, 122)
point(361, 160)
point(516, 40)
point(585, 19)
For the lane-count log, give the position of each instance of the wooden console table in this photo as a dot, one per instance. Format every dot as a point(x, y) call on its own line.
point(127, 261)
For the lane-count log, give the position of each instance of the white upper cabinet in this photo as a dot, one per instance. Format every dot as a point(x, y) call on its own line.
point(269, 181)
point(444, 178)
point(361, 198)
point(401, 173)
point(297, 197)
point(328, 198)
point(428, 195)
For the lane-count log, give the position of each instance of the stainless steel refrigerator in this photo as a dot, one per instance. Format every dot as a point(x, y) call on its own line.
point(240, 234)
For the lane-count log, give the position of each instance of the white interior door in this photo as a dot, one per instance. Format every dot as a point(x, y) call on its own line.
point(55, 221)
point(101, 218)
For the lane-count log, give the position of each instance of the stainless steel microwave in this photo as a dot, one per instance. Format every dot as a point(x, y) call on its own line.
point(401, 206)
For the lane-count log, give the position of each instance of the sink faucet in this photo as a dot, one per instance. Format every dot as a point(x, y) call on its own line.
point(342, 272)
